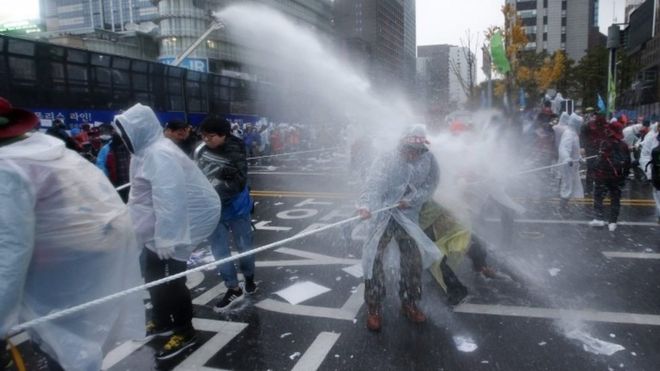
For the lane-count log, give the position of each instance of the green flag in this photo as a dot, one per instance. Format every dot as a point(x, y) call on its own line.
point(498, 53)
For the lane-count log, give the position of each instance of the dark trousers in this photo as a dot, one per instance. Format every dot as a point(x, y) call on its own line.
point(589, 179)
point(172, 303)
point(601, 188)
point(410, 284)
point(477, 253)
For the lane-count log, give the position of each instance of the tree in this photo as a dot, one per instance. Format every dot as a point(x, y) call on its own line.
point(469, 49)
point(591, 76)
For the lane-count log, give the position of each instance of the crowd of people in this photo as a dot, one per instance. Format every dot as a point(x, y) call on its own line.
point(188, 186)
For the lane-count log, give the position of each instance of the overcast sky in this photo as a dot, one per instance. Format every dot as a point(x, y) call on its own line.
point(446, 21)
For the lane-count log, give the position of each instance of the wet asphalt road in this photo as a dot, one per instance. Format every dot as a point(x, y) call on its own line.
point(567, 296)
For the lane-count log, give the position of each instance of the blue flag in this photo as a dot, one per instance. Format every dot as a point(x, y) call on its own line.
point(601, 104)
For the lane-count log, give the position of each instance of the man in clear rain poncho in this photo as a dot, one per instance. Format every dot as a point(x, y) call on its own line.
point(66, 238)
point(174, 208)
point(407, 177)
point(569, 157)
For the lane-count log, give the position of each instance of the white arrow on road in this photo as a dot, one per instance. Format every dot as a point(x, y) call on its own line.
point(264, 226)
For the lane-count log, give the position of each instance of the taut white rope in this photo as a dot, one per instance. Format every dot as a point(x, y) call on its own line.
point(161, 281)
point(293, 153)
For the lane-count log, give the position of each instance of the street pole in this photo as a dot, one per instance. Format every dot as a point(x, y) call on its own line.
point(613, 43)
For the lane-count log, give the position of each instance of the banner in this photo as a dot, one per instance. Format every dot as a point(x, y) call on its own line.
point(498, 53)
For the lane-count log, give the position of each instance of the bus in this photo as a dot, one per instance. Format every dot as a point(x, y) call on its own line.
point(82, 86)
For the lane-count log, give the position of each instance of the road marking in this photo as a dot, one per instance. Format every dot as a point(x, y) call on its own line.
point(576, 222)
point(347, 312)
point(225, 332)
point(552, 313)
point(210, 294)
point(119, 353)
point(630, 255)
point(311, 201)
point(316, 353)
point(264, 226)
point(297, 214)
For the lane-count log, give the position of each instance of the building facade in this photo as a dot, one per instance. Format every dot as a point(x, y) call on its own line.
point(631, 5)
point(642, 47)
point(163, 29)
point(553, 25)
point(109, 15)
point(443, 75)
point(379, 37)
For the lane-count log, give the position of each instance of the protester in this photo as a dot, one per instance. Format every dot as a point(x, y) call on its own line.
point(406, 177)
point(181, 134)
point(222, 159)
point(610, 172)
point(58, 130)
point(633, 136)
point(114, 160)
point(650, 164)
point(590, 137)
point(66, 239)
point(174, 208)
point(569, 158)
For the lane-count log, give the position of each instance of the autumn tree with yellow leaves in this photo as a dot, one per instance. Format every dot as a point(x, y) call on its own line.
point(534, 72)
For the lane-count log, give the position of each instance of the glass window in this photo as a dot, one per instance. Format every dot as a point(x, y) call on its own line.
point(22, 68)
point(21, 47)
point(76, 73)
point(174, 86)
point(140, 82)
point(57, 72)
point(100, 60)
point(120, 79)
point(56, 52)
point(140, 66)
point(77, 56)
point(102, 75)
point(121, 63)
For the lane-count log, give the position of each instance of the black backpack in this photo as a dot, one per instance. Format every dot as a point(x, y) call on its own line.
point(655, 167)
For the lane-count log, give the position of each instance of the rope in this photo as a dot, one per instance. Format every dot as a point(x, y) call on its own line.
point(536, 169)
point(65, 312)
point(124, 186)
point(293, 153)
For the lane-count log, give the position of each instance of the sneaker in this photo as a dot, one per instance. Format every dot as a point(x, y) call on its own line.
point(374, 319)
point(232, 296)
point(597, 223)
point(612, 227)
point(153, 330)
point(250, 285)
point(175, 345)
point(413, 313)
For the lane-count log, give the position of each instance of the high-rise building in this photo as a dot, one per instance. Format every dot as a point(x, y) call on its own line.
point(631, 5)
point(378, 36)
point(163, 29)
point(109, 15)
point(553, 25)
point(443, 74)
point(183, 21)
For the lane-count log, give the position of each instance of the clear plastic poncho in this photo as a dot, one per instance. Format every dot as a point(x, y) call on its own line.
point(569, 150)
point(66, 238)
point(392, 179)
point(172, 203)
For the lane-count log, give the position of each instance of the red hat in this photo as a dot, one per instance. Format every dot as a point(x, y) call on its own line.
point(15, 122)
